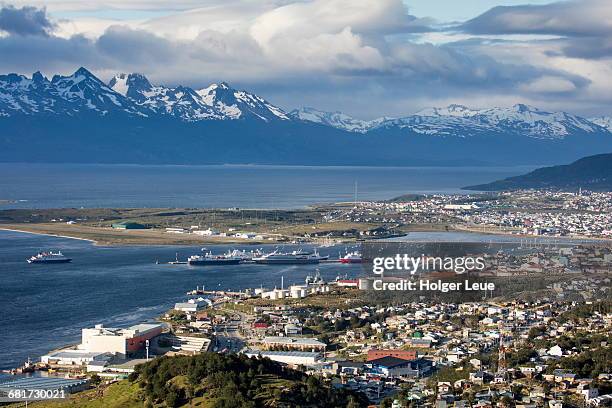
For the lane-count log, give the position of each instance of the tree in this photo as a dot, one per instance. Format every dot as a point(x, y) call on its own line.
point(352, 402)
point(386, 403)
point(172, 399)
point(95, 380)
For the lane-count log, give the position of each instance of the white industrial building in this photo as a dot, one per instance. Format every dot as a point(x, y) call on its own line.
point(189, 345)
point(295, 292)
point(75, 357)
point(101, 344)
point(298, 291)
point(193, 305)
point(294, 358)
point(118, 341)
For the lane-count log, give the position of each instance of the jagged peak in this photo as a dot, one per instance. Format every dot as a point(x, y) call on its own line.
point(85, 72)
point(522, 108)
point(38, 77)
point(80, 74)
point(457, 107)
point(125, 83)
point(450, 110)
point(221, 85)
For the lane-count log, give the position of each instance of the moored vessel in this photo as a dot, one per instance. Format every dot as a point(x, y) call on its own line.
point(290, 258)
point(352, 257)
point(49, 257)
point(210, 259)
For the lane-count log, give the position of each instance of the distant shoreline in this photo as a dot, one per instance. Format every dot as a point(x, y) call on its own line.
point(47, 234)
point(288, 166)
point(158, 238)
point(111, 237)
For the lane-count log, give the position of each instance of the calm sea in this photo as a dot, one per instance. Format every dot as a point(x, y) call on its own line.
point(83, 185)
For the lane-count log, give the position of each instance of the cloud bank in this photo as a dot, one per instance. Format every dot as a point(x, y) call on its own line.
point(366, 57)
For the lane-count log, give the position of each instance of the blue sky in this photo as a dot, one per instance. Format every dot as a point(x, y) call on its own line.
point(367, 58)
point(444, 10)
point(459, 10)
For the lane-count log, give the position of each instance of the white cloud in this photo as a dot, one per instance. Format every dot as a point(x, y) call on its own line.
point(549, 84)
point(80, 5)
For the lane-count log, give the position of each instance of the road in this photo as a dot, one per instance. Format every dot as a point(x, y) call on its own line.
point(228, 335)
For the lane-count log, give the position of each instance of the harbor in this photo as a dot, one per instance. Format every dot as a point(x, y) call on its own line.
point(117, 286)
point(297, 256)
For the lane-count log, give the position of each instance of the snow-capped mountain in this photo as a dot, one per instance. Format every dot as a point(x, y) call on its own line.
point(216, 102)
point(132, 94)
point(459, 120)
point(181, 101)
point(603, 121)
point(334, 119)
point(79, 118)
point(79, 92)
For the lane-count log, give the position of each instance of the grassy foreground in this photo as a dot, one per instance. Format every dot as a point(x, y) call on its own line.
point(212, 380)
point(119, 395)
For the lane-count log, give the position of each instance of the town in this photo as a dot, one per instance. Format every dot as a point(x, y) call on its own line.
point(531, 327)
point(553, 350)
point(522, 213)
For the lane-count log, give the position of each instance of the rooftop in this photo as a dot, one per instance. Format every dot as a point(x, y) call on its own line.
point(282, 353)
point(77, 354)
point(144, 327)
point(389, 361)
point(294, 340)
point(45, 383)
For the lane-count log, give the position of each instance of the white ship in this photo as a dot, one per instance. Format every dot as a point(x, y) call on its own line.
point(49, 257)
point(290, 258)
point(352, 257)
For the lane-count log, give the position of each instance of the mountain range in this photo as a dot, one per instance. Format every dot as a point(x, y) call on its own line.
point(79, 118)
point(591, 173)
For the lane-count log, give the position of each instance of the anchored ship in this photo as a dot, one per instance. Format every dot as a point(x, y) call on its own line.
point(49, 257)
point(290, 258)
point(243, 255)
point(210, 259)
point(352, 257)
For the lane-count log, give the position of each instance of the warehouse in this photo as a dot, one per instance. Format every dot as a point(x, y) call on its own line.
point(293, 358)
point(119, 341)
point(74, 357)
point(45, 383)
point(394, 367)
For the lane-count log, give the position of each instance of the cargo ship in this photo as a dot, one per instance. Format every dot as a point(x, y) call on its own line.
point(210, 259)
point(49, 257)
point(290, 258)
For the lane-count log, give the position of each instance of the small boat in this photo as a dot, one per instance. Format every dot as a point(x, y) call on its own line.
point(177, 262)
point(49, 257)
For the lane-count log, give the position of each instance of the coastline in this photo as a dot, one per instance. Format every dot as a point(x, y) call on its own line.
point(99, 236)
point(47, 234)
point(491, 231)
point(109, 237)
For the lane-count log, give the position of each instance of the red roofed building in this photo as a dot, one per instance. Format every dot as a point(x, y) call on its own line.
point(403, 354)
point(348, 283)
